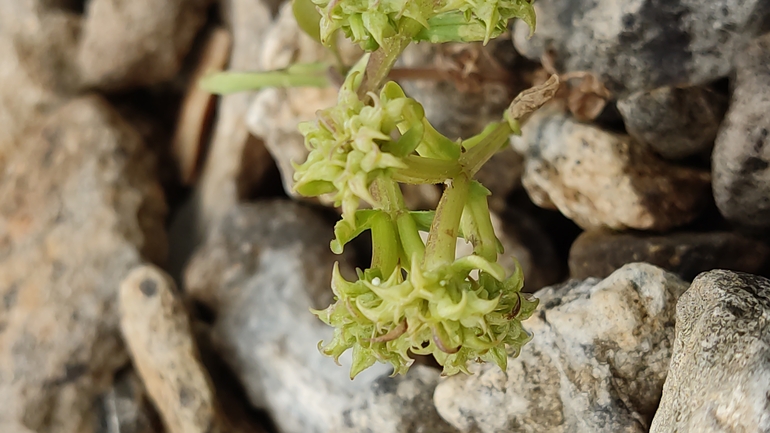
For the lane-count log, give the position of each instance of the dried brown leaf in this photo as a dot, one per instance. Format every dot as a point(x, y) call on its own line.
point(533, 98)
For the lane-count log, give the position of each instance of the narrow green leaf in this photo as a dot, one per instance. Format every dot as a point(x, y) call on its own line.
point(223, 83)
point(420, 170)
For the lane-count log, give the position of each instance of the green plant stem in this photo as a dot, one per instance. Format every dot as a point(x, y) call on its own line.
point(479, 154)
point(421, 170)
point(382, 60)
point(384, 245)
point(442, 239)
point(477, 223)
point(390, 198)
point(411, 242)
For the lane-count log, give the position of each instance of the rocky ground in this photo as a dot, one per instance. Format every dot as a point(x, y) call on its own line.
point(157, 272)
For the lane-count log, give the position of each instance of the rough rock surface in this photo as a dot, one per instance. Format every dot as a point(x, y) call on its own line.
point(602, 179)
point(157, 331)
point(275, 113)
point(598, 253)
point(674, 122)
point(79, 206)
point(597, 361)
point(720, 369)
point(501, 175)
point(527, 241)
point(635, 45)
point(741, 158)
point(136, 43)
point(260, 271)
point(124, 407)
point(44, 36)
point(461, 104)
point(397, 405)
point(37, 44)
point(231, 144)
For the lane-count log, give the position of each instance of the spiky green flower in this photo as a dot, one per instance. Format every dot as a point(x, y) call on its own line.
point(370, 22)
point(349, 144)
point(445, 312)
point(491, 15)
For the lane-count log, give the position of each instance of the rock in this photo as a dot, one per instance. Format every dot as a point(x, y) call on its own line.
point(420, 197)
point(45, 40)
point(596, 363)
point(232, 150)
point(274, 116)
point(138, 43)
point(190, 133)
point(526, 239)
point(602, 179)
point(458, 100)
point(641, 45)
point(397, 405)
point(259, 272)
point(501, 175)
point(741, 158)
point(79, 207)
point(598, 253)
point(157, 331)
point(720, 368)
point(674, 122)
point(124, 409)
point(37, 44)
point(231, 144)
point(275, 113)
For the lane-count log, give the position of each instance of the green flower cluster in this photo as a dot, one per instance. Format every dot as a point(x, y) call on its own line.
point(445, 312)
point(416, 298)
point(370, 22)
point(349, 144)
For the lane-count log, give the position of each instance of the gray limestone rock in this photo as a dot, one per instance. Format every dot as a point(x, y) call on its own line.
point(598, 253)
point(639, 45)
point(741, 158)
point(231, 143)
point(136, 43)
point(79, 207)
point(261, 270)
point(37, 45)
point(601, 179)
point(458, 102)
point(719, 377)
point(124, 407)
point(674, 122)
point(402, 404)
point(596, 363)
point(275, 113)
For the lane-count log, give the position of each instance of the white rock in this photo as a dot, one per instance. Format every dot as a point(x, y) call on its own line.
point(260, 271)
point(720, 369)
point(596, 363)
point(601, 179)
